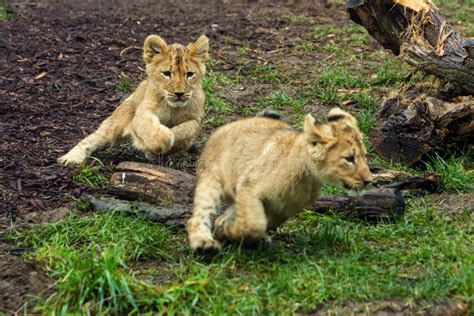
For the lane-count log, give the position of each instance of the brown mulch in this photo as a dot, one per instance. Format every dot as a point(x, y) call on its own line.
point(60, 66)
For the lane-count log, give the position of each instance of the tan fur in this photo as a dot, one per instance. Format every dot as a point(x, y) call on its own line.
point(156, 118)
point(265, 172)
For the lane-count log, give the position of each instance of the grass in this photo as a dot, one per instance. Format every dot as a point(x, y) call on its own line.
point(339, 76)
point(389, 73)
point(279, 101)
point(126, 86)
point(333, 79)
point(3, 11)
point(245, 47)
point(267, 73)
point(313, 260)
point(332, 47)
point(454, 174)
point(89, 255)
point(306, 46)
point(366, 107)
point(213, 101)
point(321, 31)
point(91, 173)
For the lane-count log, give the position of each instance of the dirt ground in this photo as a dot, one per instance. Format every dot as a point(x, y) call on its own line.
point(60, 66)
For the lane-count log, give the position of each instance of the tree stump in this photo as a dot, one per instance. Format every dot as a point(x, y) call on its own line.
point(423, 118)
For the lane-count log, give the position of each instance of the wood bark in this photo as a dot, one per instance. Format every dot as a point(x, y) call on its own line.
point(152, 183)
point(421, 119)
point(169, 192)
point(416, 30)
point(404, 181)
point(413, 126)
point(374, 206)
point(137, 181)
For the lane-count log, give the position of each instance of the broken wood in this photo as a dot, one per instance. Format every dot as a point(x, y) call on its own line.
point(175, 215)
point(416, 30)
point(135, 181)
point(413, 126)
point(422, 119)
point(152, 183)
point(404, 181)
point(373, 206)
point(173, 189)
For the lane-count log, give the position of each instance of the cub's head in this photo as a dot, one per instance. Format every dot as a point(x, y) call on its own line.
point(338, 150)
point(176, 70)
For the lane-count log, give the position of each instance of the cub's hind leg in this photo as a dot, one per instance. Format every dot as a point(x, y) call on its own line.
point(245, 220)
point(109, 132)
point(207, 200)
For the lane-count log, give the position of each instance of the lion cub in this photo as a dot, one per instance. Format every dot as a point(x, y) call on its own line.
point(265, 171)
point(165, 111)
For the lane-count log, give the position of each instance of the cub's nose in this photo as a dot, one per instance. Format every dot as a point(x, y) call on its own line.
point(179, 94)
point(367, 182)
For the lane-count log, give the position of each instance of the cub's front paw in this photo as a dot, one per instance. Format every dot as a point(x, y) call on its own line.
point(205, 244)
point(162, 140)
point(74, 157)
point(221, 222)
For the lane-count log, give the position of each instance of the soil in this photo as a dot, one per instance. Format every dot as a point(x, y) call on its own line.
point(60, 65)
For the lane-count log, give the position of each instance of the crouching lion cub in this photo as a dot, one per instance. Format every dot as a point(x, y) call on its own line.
point(264, 171)
point(165, 112)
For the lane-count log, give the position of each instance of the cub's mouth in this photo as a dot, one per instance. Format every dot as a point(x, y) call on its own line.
point(353, 186)
point(180, 103)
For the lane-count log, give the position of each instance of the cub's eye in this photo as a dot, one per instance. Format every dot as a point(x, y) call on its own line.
point(350, 159)
point(189, 74)
point(167, 74)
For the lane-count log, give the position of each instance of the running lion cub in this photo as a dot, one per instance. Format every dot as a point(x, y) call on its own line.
point(265, 171)
point(165, 111)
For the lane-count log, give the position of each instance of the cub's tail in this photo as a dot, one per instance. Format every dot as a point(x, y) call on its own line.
point(269, 114)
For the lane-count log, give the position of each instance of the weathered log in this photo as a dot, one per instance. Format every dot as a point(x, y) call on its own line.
point(375, 205)
point(137, 181)
point(152, 183)
point(422, 119)
point(416, 30)
point(404, 181)
point(412, 126)
point(173, 189)
point(175, 214)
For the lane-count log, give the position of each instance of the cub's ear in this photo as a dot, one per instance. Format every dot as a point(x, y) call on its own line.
point(200, 48)
point(337, 114)
point(317, 133)
point(153, 46)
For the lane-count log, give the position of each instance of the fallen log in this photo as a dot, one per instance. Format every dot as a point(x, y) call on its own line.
point(152, 183)
point(159, 185)
point(174, 215)
point(412, 126)
point(416, 30)
point(167, 189)
point(373, 206)
point(421, 119)
point(404, 181)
